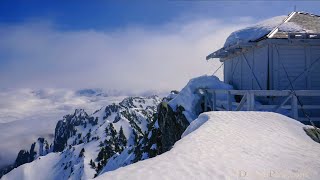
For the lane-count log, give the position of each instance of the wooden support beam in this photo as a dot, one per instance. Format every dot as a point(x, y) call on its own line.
point(250, 101)
point(229, 99)
point(214, 101)
point(294, 107)
point(282, 104)
point(243, 100)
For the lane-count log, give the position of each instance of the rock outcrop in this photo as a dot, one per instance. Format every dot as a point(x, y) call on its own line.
point(172, 124)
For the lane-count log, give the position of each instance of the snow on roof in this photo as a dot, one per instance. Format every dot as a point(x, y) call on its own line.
point(276, 27)
point(254, 32)
point(233, 145)
point(290, 27)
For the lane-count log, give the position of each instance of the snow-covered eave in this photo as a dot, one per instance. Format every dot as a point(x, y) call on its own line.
point(226, 51)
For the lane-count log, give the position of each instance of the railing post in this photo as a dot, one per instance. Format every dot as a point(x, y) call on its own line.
point(253, 101)
point(229, 108)
point(250, 101)
point(294, 106)
point(214, 101)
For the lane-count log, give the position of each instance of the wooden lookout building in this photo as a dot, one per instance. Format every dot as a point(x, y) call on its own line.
point(276, 62)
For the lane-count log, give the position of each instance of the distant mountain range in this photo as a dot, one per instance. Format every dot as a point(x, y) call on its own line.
point(26, 114)
point(85, 145)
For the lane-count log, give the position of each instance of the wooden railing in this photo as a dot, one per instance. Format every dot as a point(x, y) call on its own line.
point(289, 101)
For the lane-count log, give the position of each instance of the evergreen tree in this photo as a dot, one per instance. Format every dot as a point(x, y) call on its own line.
point(81, 154)
point(85, 125)
point(101, 144)
point(95, 121)
point(136, 138)
point(99, 168)
point(116, 146)
point(107, 131)
point(101, 154)
point(113, 132)
point(92, 164)
point(122, 138)
point(88, 136)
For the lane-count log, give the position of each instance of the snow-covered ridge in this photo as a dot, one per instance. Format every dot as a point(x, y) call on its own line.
point(233, 145)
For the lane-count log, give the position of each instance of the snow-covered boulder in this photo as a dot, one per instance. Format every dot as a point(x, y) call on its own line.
point(189, 99)
point(180, 108)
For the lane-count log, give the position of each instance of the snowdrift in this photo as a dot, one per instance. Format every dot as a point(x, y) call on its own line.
point(234, 145)
point(188, 99)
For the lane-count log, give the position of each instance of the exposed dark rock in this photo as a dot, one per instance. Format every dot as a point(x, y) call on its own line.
point(23, 157)
point(150, 144)
point(66, 128)
point(313, 133)
point(6, 170)
point(172, 124)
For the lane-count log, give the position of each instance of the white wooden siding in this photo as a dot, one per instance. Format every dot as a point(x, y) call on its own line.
point(260, 67)
point(236, 72)
point(296, 60)
point(314, 74)
point(227, 71)
point(246, 74)
point(289, 61)
point(240, 70)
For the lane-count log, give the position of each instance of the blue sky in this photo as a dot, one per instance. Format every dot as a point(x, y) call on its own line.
point(106, 14)
point(121, 44)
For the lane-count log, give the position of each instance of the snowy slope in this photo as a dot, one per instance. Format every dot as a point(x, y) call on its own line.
point(234, 145)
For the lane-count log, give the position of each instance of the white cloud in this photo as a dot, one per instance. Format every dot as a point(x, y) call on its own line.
point(135, 58)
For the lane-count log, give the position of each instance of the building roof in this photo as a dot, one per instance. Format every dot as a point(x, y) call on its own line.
point(297, 25)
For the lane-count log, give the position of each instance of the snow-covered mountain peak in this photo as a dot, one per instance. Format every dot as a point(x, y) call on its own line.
point(139, 102)
point(80, 113)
